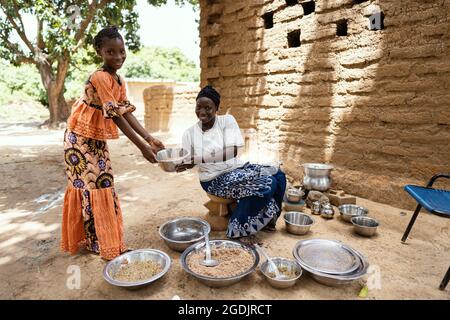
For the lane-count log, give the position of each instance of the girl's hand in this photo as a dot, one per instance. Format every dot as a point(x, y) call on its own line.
point(155, 144)
point(148, 154)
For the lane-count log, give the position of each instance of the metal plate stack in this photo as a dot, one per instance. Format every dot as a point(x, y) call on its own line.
point(330, 262)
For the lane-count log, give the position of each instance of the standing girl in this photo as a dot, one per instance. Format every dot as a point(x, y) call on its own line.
point(91, 212)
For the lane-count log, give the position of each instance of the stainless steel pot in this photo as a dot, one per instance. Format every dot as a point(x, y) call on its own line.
point(315, 207)
point(327, 211)
point(317, 176)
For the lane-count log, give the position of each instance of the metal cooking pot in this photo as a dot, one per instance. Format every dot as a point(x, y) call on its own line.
point(317, 176)
point(327, 211)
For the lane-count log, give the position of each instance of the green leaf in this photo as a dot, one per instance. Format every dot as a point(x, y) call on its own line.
point(364, 292)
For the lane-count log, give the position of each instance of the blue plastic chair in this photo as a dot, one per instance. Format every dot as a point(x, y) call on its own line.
point(435, 201)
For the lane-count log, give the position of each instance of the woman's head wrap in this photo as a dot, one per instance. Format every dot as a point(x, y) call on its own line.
point(210, 93)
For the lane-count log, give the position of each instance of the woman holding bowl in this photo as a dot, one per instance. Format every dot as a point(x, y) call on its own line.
point(213, 143)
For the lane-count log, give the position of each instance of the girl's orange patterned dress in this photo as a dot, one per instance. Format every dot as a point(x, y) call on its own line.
point(91, 213)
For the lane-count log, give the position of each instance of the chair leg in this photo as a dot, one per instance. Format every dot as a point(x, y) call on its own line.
point(444, 282)
point(411, 223)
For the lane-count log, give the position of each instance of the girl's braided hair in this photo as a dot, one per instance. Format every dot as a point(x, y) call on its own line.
point(108, 33)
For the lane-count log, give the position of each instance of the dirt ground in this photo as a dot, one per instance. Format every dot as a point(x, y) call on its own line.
point(32, 267)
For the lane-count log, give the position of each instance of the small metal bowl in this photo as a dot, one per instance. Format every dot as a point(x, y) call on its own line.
point(113, 266)
point(348, 211)
point(266, 269)
point(182, 232)
point(294, 195)
point(169, 158)
point(298, 222)
point(218, 282)
point(365, 226)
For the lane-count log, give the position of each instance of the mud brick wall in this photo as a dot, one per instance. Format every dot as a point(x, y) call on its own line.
point(316, 84)
point(135, 91)
point(170, 107)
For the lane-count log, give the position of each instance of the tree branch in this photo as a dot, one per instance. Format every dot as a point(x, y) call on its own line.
point(20, 31)
point(16, 10)
point(40, 38)
point(20, 56)
point(93, 7)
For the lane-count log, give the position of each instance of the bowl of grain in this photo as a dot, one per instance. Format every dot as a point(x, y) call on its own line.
point(236, 261)
point(288, 272)
point(137, 268)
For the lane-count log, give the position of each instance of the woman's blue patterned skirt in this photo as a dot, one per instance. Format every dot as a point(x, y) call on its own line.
point(259, 196)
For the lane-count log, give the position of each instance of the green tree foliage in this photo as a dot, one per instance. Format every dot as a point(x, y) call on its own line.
point(160, 63)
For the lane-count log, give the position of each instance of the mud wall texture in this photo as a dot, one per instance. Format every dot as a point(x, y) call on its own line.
point(316, 84)
point(170, 108)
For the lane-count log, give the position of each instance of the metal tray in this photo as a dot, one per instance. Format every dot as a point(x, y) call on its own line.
point(326, 256)
point(339, 280)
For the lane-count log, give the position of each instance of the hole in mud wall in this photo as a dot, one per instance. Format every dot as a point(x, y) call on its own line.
point(213, 18)
point(294, 39)
point(291, 2)
point(359, 1)
point(268, 20)
point(212, 62)
point(212, 82)
point(341, 28)
point(212, 1)
point(212, 41)
point(308, 7)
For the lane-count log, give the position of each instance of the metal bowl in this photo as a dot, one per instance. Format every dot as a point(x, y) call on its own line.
point(169, 158)
point(298, 222)
point(348, 211)
point(365, 226)
point(294, 195)
point(111, 268)
point(266, 269)
point(334, 280)
point(218, 282)
point(182, 232)
point(339, 280)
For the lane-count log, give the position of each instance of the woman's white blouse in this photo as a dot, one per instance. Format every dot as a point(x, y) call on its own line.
point(224, 133)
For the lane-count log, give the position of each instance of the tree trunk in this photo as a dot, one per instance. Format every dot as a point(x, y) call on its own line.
point(59, 110)
point(54, 86)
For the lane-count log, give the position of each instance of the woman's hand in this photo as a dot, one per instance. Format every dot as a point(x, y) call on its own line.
point(148, 153)
point(185, 166)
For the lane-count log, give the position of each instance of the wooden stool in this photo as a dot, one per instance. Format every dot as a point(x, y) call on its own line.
point(218, 211)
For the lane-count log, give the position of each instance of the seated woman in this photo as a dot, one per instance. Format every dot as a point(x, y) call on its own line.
point(213, 143)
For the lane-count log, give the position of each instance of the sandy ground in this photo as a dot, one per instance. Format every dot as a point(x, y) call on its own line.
point(32, 267)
